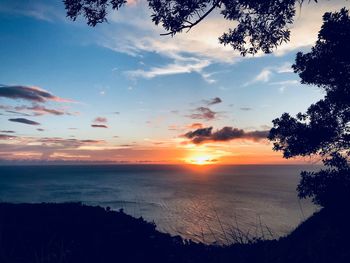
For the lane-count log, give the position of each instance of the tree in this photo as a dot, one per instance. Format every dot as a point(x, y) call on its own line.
point(324, 130)
point(261, 24)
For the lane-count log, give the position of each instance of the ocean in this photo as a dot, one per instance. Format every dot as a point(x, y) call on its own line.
point(205, 204)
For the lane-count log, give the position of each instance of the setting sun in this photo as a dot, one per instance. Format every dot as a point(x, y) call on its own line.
point(201, 160)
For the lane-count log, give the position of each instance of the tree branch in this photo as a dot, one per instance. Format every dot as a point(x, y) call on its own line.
point(216, 4)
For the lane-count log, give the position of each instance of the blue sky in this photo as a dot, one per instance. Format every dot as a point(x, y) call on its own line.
point(147, 89)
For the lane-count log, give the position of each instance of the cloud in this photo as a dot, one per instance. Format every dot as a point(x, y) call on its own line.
point(99, 126)
point(202, 132)
point(246, 108)
point(203, 113)
point(62, 143)
point(285, 68)
point(225, 134)
point(35, 110)
point(175, 127)
point(182, 66)
point(39, 110)
point(133, 32)
point(7, 137)
point(196, 125)
point(18, 113)
point(263, 76)
point(182, 128)
point(48, 11)
point(25, 121)
point(100, 120)
point(55, 148)
point(133, 2)
point(285, 84)
point(4, 107)
point(266, 73)
point(34, 94)
point(213, 101)
point(7, 131)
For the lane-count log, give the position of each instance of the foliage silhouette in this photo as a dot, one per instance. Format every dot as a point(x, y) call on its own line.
point(262, 25)
point(324, 129)
point(73, 233)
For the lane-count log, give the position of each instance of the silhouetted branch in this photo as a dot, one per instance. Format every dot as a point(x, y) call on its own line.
point(192, 24)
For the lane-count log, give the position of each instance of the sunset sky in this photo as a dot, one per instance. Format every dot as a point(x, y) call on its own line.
point(119, 92)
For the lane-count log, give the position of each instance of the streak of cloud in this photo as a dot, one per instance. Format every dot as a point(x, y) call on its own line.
point(25, 121)
point(34, 94)
point(99, 126)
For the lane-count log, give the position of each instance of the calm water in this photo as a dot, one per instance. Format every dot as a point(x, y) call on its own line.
point(203, 205)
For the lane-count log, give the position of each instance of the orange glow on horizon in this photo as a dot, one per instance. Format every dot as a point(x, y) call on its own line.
point(201, 160)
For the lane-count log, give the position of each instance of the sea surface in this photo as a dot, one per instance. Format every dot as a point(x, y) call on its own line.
point(206, 204)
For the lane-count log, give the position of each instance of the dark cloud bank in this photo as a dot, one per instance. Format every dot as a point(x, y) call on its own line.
point(225, 134)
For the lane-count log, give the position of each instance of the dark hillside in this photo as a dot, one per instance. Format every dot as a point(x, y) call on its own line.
point(72, 232)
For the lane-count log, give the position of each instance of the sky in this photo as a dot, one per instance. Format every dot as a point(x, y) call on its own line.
point(121, 93)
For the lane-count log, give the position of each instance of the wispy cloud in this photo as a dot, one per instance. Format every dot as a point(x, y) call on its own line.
point(212, 101)
point(183, 66)
point(246, 108)
point(67, 143)
point(203, 113)
point(285, 84)
point(100, 120)
point(285, 68)
point(267, 73)
point(38, 110)
point(263, 76)
point(48, 11)
point(7, 131)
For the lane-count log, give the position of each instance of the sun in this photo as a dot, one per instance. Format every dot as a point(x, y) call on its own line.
point(200, 160)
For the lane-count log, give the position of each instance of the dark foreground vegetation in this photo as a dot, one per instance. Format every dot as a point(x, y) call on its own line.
point(72, 232)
